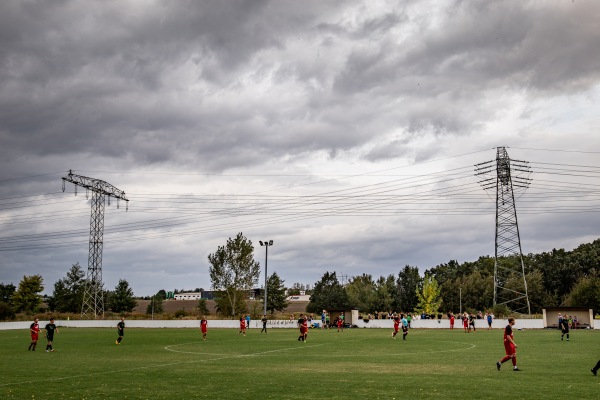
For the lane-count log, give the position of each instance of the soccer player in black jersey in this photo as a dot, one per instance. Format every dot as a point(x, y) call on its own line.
point(264, 321)
point(120, 330)
point(596, 368)
point(49, 334)
point(564, 327)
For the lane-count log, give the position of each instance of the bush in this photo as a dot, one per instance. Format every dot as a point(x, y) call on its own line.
point(181, 314)
point(6, 312)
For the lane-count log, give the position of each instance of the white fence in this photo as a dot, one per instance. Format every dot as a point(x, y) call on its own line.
point(257, 324)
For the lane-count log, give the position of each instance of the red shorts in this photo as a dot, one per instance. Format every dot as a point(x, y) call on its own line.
point(34, 336)
point(203, 330)
point(396, 329)
point(466, 324)
point(510, 348)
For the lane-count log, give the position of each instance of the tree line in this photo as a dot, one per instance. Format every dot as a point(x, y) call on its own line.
point(67, 296)
point(555, 278)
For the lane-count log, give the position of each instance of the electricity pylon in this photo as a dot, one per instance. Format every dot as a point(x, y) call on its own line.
point(93, 296)
point(510, 283)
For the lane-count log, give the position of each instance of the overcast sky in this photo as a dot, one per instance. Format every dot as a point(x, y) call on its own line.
point(344, 131)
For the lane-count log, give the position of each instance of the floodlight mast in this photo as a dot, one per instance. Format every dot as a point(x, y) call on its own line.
point(266, 244)
point(93, 297)
point(507, 290)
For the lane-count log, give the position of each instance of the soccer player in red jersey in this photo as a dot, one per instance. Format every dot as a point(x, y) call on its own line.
point(242, 326)
point(510, 346)
point(451, 321)
point(304, 329)
point(340, 324)
point(34, 329)
point(465, 320)
point(203, 327)
point(396, 326)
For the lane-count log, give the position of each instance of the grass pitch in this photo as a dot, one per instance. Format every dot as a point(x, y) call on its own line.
point(356, 364)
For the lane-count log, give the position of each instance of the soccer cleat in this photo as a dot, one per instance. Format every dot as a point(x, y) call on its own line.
point(52, 350)
point(116, 342)
point(47, 351)
point(594, 372)
point(517, 370)
point(498, 365)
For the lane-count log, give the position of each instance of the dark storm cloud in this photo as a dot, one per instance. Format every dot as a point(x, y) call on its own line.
point(105, 78)
point(186, 87)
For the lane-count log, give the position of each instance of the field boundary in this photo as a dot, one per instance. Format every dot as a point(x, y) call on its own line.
point(274, 324)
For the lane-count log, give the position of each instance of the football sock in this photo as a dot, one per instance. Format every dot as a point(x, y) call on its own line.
point(514, 362)
point(505, 359)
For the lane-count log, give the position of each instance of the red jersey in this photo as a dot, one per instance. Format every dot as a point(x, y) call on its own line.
point(304, 326)
point(508, 333)
point(242, 324)
point(203, 325)
point(396, 324)
point(34, 329)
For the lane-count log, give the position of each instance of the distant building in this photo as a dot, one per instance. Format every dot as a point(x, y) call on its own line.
point(298, 297)
point(188, 296)
point(206, 294)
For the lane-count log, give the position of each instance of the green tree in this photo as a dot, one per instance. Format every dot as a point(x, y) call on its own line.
point(327, 293)
point(202, 307)
point(429, 296)
point(6, 292)
point(233, 272)
point(68, 292)
point(361, 293)
point(162, 294)
point(223, 303)
point(122, 300)
point(27, 298)
point(275, 294)
point(408, 282)
point(6, 311)
point(156, 305)
point(383, 294)
point(586, 293)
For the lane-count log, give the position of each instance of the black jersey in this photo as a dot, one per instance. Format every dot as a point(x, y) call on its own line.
point(50, 328)
point(121, 326)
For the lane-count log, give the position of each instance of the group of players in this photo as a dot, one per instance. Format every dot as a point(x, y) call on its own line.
point(510, 346)
point(50, 329)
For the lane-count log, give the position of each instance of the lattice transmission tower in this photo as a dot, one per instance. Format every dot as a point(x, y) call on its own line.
point(510, 283)
point(93, 297)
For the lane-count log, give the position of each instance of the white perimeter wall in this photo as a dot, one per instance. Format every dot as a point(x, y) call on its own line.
point(376, 323)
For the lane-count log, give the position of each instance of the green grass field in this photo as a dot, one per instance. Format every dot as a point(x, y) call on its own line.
point(358, 364)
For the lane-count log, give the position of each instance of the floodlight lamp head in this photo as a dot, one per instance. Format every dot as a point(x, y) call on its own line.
point(261, 243)
point(270, 243)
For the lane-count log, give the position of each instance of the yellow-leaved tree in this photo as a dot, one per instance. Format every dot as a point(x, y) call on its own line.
point(428, 295)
